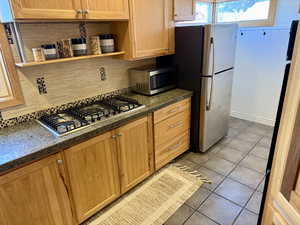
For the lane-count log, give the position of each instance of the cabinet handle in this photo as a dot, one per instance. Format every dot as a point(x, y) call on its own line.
point(60, 161)
point(79, 11)
point(114, 136)
point(175, 125)
point(173, 110)
point(175, 146)
point(85, 12)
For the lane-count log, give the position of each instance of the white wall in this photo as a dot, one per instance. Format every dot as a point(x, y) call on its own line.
point(259, 69)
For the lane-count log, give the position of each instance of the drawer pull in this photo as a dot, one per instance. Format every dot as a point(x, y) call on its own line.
point(173, 110)
point(175, 146)
point(175, 125)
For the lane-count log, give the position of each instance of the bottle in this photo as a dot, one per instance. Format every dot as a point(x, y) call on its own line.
point(107, 43)
point(79, 46)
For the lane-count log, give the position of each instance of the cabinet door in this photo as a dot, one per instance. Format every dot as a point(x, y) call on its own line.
point(50, 9)
point(184, 10)
point(35, 195)
point(135, 152)
point(150, 27)
point(106, 9)
point(93, 175)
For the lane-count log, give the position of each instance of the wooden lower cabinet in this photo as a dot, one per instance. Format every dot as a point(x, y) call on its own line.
point(135, 152)
point(93, 175)
point(35, 195)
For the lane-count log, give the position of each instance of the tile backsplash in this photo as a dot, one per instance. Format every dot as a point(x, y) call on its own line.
point(71, 81)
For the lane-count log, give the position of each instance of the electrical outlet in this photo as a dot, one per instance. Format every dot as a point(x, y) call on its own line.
point(102, 73)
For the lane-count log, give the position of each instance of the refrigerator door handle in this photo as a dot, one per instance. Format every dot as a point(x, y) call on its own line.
point(209, 96)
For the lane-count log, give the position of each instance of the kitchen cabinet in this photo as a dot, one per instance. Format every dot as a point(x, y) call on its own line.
point(171, 132)
point(135, 152)
point(70, 9)
point(35, 195)
point(106, 9)
point(50, 9)
point(184, 10)
point(93, 175)
point(150, 31)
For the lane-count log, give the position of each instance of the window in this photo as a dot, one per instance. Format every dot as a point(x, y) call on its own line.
point(203, 12)
point(10, 91)
point(247, 12)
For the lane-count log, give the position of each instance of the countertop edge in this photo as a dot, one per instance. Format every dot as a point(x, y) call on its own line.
point(57, 147)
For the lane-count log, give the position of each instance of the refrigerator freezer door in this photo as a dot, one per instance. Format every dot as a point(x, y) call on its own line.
point(214, 123)
point(223, 47)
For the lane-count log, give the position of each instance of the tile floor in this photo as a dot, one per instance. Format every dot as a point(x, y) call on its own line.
point(236, 167)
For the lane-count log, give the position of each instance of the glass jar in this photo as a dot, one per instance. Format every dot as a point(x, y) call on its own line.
point(50, 51)
point(79, 46)
point(107, 42)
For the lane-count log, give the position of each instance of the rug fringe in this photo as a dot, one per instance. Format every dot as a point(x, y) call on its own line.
point(195, 173)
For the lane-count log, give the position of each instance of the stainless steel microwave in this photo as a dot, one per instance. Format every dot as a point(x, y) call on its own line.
point(150, 80)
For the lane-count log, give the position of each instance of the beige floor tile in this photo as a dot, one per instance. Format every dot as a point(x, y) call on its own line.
point(250, 137)
point(232, 132)
point(246, 176)
point(188, 163)
point(265, 142)
point(234, 191)
point(220, 210)
point(261, 151)
point(231, 154)
point(214, 177)
point(219, 165)
point(241, 145)
point(255, 163)
point(198, 158)
point(199, 219)
point(225, 140)
point(257, 129)
point(261, 186)
point(246, 218)
point(180, 216)
point(255, 202)
point(198, 198)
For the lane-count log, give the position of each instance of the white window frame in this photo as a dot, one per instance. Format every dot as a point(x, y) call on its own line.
point(251, 23)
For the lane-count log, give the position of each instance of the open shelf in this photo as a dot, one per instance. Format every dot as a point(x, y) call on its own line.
point(29, 64)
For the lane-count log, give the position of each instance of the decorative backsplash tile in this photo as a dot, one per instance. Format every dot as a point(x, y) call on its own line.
point(41, 85)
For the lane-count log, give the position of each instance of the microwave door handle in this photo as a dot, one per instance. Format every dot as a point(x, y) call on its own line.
point(209, 96)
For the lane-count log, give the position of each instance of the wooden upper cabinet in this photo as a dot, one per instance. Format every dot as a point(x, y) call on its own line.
point(150, 27)
point(35, 195)
point(184, 10)
point(135, 152)
point(50, 9)
point(105, 9)
point(93, 175)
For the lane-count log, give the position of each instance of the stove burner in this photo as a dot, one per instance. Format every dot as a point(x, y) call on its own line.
point(76, 118)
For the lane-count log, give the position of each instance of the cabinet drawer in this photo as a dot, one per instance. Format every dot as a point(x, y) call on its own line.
point(172, 110)
point(169, 151)
point(170, 128)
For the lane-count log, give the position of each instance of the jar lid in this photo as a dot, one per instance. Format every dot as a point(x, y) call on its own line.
point(106, 36)
point(78, 41)
point(48, 46)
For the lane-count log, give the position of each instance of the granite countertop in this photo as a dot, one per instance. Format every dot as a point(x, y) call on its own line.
point(28, 142)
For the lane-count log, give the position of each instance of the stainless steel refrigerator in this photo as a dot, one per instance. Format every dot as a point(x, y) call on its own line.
point(205, 57)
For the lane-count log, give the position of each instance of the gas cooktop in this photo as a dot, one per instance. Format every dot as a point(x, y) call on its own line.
point(78, 118)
